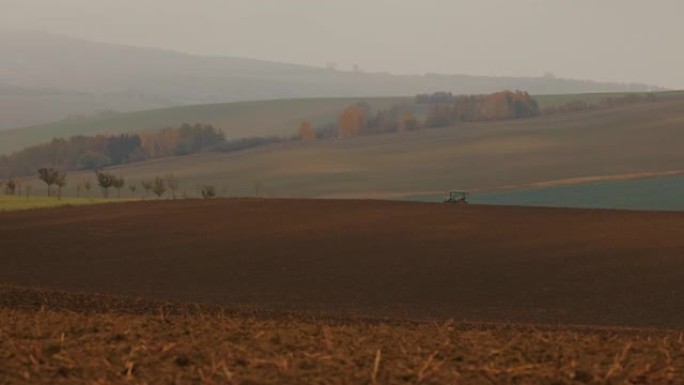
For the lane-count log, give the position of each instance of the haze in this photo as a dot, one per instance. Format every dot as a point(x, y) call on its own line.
point(610, 40)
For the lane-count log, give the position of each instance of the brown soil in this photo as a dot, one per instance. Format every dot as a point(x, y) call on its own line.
point(58, 338)
point(408, 260)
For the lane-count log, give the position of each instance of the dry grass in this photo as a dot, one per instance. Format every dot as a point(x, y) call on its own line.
point(15, 203)
point(48, 338)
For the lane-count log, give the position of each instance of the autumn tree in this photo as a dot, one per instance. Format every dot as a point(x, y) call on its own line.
point(50, 176)
point(120, 148)
point(439, 115)
point(196, 138)
point(351, 122)
point(105, 181)
point(407, 122)
point(508, 105)
point(93, 161)
point(306, 131)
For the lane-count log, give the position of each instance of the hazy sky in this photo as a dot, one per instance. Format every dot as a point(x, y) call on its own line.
point(617, 40)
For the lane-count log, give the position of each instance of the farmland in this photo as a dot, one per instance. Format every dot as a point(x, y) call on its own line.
point(641, 140)
point(57, 338)
point(406, 260)
point(358, 291)
point(241, 119)
point(238, 120)
point(239, 291)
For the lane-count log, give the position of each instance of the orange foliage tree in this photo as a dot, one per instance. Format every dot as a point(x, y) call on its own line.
point(160, 144)
point(407, 122)
point(508, 105)
point(306, 132)
point(352, 121)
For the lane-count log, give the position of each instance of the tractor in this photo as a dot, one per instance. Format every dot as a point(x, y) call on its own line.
point(456, 196)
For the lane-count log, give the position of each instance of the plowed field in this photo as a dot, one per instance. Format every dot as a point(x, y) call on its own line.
point(407, 260)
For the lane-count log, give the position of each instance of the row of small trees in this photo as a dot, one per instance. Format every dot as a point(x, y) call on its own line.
point(53, 177)
point(157, 186)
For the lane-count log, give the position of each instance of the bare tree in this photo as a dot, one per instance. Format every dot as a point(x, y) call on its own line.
point(87, 186)
point(28, 191)
point(208, 192)
point(20, 185)
point(147, 186)
point(159, 187)
point(60, 182)
point(105, 180)
point(118, 183)
point(258, 188)
point(172, 183)
point(49, 175)
point(133, 188)
point(10, 187)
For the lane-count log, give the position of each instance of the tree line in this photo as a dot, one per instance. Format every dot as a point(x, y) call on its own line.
point(439, 109)
point(97, 152)
point(443, 109)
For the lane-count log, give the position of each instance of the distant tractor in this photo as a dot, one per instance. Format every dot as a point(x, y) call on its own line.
point(456, 196)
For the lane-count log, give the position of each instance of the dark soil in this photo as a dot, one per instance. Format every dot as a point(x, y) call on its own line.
point(370, 258)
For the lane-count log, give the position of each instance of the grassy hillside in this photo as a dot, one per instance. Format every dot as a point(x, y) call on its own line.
point(262, 118)
point(641, 139)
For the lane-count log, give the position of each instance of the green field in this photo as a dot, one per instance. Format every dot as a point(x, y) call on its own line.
point(15, 203)
point(644, 139)
point(238, 120)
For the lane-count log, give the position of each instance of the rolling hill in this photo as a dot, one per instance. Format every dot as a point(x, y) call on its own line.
point(237, 120)
point(640, 139)
point(66, 76)
point(240, 119)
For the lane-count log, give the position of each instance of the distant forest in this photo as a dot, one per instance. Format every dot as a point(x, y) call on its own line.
point(439, 109)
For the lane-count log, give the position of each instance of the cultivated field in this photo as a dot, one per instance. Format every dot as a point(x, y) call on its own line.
point(55, 338)
point(637, 140)
point(243, 119)
point(373, 258)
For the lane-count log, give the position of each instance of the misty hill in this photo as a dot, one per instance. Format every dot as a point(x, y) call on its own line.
point(237, 120)
point(46, 77)
point(643, 139)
